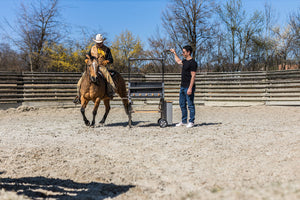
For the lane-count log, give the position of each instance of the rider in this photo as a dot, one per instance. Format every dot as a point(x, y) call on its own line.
point(100, 50)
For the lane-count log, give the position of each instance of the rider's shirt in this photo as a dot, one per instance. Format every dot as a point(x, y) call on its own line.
point(101, 52)
point(104, 51)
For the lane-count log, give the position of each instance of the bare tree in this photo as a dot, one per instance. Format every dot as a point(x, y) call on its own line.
point(294, 23)
point(159, 46)
point(37, 23)
point(250, 29)
point(232, 16)
point(9, 61)
point(284, 43)
point(268, 41)
point(187, 22)
point(240, 29)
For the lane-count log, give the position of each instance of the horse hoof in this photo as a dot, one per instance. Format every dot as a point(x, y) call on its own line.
point(87, 123)
point(101, 124)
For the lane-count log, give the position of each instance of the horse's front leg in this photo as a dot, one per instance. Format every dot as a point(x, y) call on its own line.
point(107, 109)
point(96, 106)
point(84, 102)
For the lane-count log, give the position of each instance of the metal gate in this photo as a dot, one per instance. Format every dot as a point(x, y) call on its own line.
point(149, 90)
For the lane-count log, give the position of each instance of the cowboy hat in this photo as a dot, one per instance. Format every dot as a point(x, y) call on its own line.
point(99, 38)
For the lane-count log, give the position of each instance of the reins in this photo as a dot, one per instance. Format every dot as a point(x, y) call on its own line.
point(88, 73)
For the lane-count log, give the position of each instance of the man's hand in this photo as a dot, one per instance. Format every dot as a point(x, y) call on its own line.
point(177, 59)
point(87, 57)
point(105, 62)
point(189, 91)
point(172, 50)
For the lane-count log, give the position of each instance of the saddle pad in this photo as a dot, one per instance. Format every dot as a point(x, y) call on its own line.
point(112, 73)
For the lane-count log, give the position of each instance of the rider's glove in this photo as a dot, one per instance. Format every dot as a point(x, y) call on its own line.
point(105, 62)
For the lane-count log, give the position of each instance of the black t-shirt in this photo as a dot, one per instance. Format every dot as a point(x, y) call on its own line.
point(188, 67)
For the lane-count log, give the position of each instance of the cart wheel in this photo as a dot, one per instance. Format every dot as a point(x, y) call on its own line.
point(158, 120)
point(163, 123)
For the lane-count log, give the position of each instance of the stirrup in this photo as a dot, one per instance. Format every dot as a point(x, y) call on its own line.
point(111, 95)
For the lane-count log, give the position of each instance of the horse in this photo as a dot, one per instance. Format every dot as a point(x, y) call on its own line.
point(94, 87)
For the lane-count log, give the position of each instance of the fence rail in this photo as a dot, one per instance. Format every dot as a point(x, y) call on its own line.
point(220, 89)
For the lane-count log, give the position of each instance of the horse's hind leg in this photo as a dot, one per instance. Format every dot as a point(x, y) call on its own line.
point(107, 109)
point(121, 90)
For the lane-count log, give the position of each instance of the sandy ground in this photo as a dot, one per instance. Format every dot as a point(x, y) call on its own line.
point(231, 153)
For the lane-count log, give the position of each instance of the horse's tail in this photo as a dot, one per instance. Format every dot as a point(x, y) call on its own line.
point(121, 89)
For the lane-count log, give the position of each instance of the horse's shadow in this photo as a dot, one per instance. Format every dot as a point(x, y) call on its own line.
point(45, 188)
point(174, 125)
point(124, 124)
point(136, 123)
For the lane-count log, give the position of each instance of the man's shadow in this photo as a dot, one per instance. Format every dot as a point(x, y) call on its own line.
point(208, 124)
point(42, 187)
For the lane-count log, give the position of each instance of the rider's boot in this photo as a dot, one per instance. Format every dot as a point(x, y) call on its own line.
point(110, 91)
point(78, 97)
point(77, 100)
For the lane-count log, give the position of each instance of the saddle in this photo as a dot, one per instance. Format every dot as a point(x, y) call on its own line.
point(112, 74)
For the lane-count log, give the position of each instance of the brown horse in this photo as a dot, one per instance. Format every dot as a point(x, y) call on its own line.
point(94, 87)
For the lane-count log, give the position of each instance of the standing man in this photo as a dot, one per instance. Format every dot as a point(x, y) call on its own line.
point(187, 88)
point(97, 50)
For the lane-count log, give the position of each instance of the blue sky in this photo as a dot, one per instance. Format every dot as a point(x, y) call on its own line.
point(141, 17)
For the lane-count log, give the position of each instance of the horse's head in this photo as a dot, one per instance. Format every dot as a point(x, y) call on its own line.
point(92, 68)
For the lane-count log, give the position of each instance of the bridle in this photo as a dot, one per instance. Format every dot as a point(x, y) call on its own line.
point(94, 64)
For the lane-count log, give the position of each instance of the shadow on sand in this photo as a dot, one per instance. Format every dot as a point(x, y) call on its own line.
point(44, 188)
point(136, 123)
point(124, 124)
point(208, 124)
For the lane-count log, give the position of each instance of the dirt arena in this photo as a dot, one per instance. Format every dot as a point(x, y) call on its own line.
point(231, 153)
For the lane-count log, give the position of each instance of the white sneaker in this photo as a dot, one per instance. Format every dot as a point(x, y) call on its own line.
point(180, 124)
point(190, 125)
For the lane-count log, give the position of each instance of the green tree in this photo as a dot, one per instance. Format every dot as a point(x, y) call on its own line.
point(124, 46)
point(62, 58)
